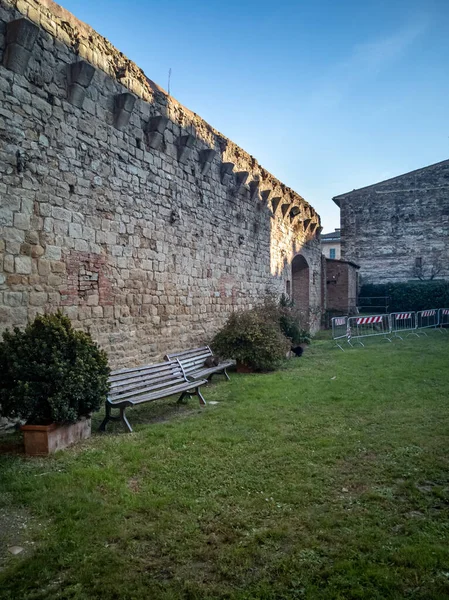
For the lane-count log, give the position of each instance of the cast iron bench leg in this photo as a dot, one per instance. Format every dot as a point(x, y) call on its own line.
point(226, 375)
point(107, 418)
point(200, 396)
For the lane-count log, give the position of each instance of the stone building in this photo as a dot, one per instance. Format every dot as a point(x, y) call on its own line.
point(129, 212)
point(341, 287)
point(330, 244)
point(398, 229)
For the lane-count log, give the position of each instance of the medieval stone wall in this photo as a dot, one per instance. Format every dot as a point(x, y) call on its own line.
point(398, 230)
point(121, 207)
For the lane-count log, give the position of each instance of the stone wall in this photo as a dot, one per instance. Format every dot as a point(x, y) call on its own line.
point(123, 208)
point(398, 229)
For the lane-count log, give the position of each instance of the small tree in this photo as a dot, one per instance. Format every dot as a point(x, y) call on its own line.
point(254, 338)
point(51, 373)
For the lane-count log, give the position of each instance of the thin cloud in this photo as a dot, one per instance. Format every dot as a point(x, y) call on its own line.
point(366, 61)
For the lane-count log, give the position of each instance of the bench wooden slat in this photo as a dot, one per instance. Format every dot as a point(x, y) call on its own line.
point(148, 378)
point(193, 362)
point(142, 388)
point(129, 387)
point(155, 395)
point(146, 370)
point(203, 350)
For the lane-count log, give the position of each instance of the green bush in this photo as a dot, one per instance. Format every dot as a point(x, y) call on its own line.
point(254, 338)
point(412, 295)
point(289, 321)
point(51, 373)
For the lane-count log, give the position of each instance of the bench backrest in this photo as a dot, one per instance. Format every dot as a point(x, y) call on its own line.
point(191, 360)
point(128, 383)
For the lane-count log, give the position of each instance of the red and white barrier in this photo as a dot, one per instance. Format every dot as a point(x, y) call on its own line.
point(403, 322)
point(362, 327)
point(427, 319)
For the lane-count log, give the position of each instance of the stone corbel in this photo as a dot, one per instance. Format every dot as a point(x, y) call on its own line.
point(186, 143)
point(206, 159)
point(285, 208)
point(227, 172)
point(123, 108)
point(241, 177)
point(154, 132)
point(306, 223)
point(80, 75)
point(254, 189)
point(275, 203)
point(21, 35)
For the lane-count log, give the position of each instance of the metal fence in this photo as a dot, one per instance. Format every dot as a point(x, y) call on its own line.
point(427, 319)
point(339, 330)
point(403, 323)
point(369, 326)
point(388, 326)
point(444, 318)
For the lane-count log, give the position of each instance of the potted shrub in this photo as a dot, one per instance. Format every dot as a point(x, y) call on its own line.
point(53, 377)
point(254, 339)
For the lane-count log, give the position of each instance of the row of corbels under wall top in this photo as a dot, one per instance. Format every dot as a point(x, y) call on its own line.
point(21, 35)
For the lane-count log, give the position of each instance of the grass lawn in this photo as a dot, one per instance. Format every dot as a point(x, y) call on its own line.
point(326, 479)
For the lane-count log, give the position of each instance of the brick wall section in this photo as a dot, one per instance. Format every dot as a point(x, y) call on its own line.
point(387, 226)
point(341, 286)
point(131, 213)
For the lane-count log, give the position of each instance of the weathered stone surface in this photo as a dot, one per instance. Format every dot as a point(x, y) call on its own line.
point(135, 241)
point(398, 229)
point(21, 35)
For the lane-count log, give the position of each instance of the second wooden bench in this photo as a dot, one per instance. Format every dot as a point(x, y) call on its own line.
point(129, 387)
point(194, 363)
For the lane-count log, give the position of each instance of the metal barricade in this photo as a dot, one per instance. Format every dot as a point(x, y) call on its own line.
point(427, 319)
point(403, 322)
point(444, 319)
point(363, 327)
point(339, 330)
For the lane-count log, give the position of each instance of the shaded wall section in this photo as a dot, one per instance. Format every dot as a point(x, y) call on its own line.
point(145, 225)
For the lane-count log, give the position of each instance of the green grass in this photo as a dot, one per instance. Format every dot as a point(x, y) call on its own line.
point(327, 479)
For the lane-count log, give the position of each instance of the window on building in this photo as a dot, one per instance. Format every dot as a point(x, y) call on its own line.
point(332, 253)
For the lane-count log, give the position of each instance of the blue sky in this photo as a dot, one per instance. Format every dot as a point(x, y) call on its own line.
point(328, 95)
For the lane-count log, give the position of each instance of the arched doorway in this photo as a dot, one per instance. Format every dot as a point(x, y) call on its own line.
point(301, 288)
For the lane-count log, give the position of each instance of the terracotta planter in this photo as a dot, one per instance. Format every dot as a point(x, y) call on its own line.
point(41, 440)
point(243, 368)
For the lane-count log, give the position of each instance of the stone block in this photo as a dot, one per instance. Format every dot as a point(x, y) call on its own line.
point(154, 140)
point(185, 146)
point(123, 108)
point(206, 160)
point(22, 265)
point(254, 190)
point(227, 172)
point(21, 35)
point(80, 75)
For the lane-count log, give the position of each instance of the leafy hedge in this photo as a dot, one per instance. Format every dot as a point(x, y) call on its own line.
point(413, 295)
point(51, 373)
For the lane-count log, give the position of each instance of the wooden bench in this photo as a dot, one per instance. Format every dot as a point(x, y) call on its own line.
point(192, 362)
point(129, 387)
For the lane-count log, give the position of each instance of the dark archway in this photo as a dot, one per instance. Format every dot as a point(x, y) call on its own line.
point(301, 288)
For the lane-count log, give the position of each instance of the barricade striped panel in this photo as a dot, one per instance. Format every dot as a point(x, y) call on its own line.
point(428, 313)
point(402, 316)
point(364, 320)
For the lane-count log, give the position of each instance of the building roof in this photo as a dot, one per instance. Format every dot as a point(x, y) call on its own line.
point(345, 262)
point(337, 199)
point(334, 236)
